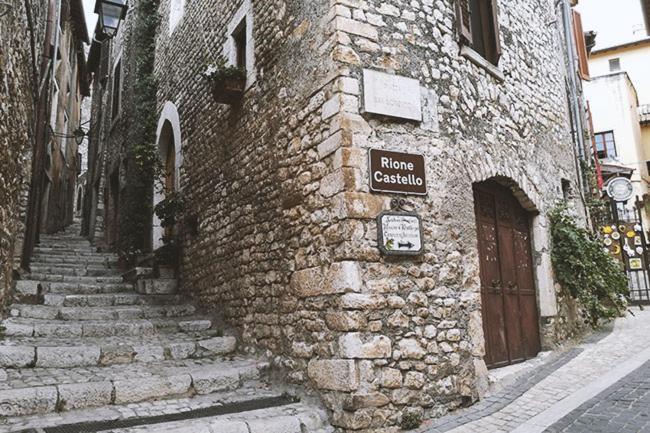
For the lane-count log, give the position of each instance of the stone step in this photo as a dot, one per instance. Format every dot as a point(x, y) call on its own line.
point(156, 286)
point(291, 418)
point(19, 327)
point(71, 353)
point(109, 299)
point(43, 390)
point(47, 312)
point(107, 260)
point(25, 287)
point(54, 278)
point(253, 393)
point(70, 252)
point(79, 271)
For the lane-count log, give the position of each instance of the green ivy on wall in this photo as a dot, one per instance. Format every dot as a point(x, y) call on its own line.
point(585, 270)
point(144, 166)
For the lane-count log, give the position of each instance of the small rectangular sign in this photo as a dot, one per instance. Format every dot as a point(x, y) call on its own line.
point(400, 234)
point(395, 172)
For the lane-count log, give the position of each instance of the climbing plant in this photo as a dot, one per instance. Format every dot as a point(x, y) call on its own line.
point(585, 270)
point(144, 166)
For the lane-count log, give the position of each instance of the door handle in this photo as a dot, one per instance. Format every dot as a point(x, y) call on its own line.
point(496, 284)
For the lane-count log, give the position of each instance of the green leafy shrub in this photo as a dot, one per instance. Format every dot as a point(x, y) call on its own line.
point(170, 209)
point(583, 268)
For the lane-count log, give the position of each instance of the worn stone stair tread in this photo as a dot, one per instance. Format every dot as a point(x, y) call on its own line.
point(43, 390)
point(17, 326)
point(291, 418)
point(119, 312)
point(74, 279)
point(251, 391)
point(24, 287)
point(80, 271)
point(108, 299)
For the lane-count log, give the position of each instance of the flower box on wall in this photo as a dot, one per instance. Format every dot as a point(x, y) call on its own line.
point(229, 91)
point(227, 82)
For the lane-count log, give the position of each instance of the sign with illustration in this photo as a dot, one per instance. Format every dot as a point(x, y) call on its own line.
point(396, 172)
point(624, 241)
point(620, 189)
point(400, 233)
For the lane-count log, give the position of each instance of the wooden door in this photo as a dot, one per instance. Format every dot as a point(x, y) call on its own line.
point(508, 296)
point(170, 180)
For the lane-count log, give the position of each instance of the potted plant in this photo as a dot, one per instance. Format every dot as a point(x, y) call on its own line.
point(169, 211)
point(228, 82)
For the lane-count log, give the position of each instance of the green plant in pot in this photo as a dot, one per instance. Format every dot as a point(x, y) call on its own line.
point(168, 212)
point(228, 82)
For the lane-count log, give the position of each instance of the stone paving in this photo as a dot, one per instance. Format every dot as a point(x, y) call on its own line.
point(563, 377)
point(624, 407)
point(83, 345)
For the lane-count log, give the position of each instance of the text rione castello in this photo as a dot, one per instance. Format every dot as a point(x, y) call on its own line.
point(396, 172)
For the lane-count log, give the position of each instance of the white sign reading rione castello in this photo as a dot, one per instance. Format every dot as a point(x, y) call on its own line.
point(400, 233)
point(391, 95)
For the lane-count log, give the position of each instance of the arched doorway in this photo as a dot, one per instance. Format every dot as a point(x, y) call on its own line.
point(170, 154)
point(508, 293)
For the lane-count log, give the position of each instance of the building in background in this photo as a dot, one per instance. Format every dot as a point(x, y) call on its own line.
point(619, 91)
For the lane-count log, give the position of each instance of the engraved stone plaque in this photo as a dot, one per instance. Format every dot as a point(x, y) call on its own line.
point(391, 95)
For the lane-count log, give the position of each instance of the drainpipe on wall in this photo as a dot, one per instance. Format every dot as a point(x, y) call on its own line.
point(576, 107)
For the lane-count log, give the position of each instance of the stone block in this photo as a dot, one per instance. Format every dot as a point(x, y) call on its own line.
point(195, 325)
point(182, 350)
point(357, 205)
point(358, 28)
point(339, 278)
point(212, 380)
point(83, 395)
point(362, 301)
point(391, 378)
point(363, 346)
point(12, 329)
point(225, 426)
point(57, 330)
point(346, 321)
point(365, 400)
point(219, 345)
point(28, 401)
point(278, 424)
point(137, 390)
point(149, 353)
point(112, 355)
point(334, 374)
point(17, 356)
point(67, 356)
point(411, 349)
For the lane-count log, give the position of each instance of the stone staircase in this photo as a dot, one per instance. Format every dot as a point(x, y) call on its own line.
point(83, 350)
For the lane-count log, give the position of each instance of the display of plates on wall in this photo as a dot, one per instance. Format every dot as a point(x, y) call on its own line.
point(608, 242)
point(616, 250)
point(616, 236)
point(636, 264)
point(622, 228)
point(639, 250)
point(631, 234)
point(638, 228)
point(607, 230)
point(638, 241)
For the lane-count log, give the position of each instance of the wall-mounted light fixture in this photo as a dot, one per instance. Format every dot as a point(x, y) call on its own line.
point(111, 13)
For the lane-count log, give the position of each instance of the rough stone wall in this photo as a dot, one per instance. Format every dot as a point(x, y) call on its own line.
point(286, 239)
point(16, 114)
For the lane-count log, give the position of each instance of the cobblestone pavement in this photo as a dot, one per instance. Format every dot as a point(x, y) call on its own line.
point(532, 404)
point(624, 407)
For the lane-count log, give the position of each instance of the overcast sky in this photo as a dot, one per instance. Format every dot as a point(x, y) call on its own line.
point(91, 18)
point(616, 21)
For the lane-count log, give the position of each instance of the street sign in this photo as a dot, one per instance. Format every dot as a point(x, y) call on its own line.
point(400, 234)
point(396, 172)
point(620, 189)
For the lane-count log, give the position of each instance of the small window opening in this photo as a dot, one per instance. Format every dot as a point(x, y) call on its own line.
point(615, 65)
point(117, 90)
point(567, 189)
point(605, 145)
point(484, 32)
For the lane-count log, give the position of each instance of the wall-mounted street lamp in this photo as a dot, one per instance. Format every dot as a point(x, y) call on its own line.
point(110, 12)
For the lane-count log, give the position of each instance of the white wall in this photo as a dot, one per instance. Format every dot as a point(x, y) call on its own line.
point(635, 61)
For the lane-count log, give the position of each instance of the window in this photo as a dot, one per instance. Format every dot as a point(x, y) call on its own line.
point(64, 137)
point(116, 103)
point(605, 145)
point(614, 65)
point(176, 10)
point(54, 114)
point(478, 26)
point(239, 38)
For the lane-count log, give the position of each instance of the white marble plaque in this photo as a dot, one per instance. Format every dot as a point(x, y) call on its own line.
point(391, 95)
point(400, 233)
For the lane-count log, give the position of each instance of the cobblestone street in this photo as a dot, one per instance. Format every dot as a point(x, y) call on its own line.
point(603, 385)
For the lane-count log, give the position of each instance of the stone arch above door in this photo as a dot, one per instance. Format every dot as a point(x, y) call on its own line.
point(168, 134)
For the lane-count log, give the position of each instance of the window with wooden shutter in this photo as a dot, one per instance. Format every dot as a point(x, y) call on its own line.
point(478, 26)
point(464, 20)
point(581, 46)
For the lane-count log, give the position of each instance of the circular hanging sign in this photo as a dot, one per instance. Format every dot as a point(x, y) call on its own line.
point(620, 189)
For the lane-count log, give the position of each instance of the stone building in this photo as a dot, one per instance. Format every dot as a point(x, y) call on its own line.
point(40, 113)
point(279, 232)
